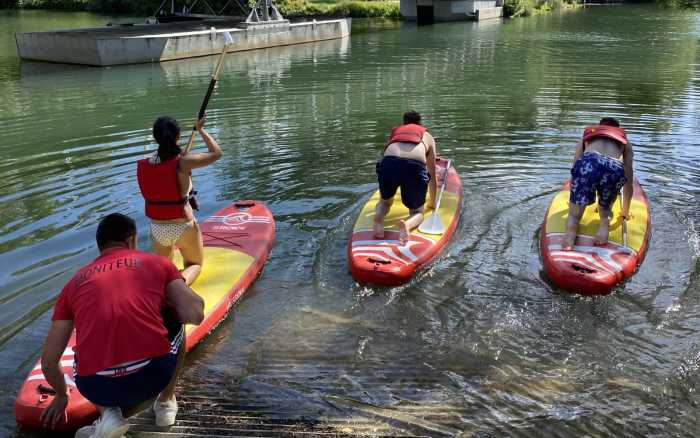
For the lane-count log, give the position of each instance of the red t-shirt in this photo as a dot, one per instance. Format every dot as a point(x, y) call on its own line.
point(115, 303)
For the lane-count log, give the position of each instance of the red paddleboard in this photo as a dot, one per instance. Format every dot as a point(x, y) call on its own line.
point(387, 262)
point(237, 242)
point(591, 269)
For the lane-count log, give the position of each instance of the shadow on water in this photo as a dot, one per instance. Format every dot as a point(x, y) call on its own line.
point(478, 343)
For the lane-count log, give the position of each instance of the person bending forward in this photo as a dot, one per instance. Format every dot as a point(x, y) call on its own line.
point(408, 163)
point(128, 309)
point(602, 166)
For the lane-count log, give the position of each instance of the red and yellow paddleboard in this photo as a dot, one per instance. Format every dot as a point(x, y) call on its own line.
point(589, 269)
point(386, 261)
point(237, 242)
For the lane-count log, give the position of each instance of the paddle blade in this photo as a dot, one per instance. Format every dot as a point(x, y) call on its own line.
point(228, 39)
point(432, 225)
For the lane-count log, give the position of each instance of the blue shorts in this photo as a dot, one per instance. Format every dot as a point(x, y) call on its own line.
point(140, 381)
point(595, 173)
point(411, 175)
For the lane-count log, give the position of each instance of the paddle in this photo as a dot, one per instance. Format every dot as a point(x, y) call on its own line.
point(228, 40)
point(433, 224)
point(624, 222)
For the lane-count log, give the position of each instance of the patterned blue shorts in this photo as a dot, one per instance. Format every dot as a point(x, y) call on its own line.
point(593, 174)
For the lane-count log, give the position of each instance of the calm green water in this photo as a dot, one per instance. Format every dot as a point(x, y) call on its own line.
point(479, 343)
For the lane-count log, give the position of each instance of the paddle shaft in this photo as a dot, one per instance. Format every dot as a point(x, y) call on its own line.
point(442, 187)
point(624, 221)
point(205, 102)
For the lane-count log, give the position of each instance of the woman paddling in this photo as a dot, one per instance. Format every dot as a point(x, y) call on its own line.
point(166, 185)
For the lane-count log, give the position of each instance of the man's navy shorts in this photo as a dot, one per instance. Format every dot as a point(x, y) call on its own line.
point(411, 175)
point(596, 174)
point(125, 387)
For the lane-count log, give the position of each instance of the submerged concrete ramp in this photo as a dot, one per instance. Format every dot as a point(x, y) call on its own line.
point(137, 44)
point(207, 416)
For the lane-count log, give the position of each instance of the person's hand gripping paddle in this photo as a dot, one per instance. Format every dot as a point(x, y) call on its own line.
point(228, 40)
point(433, 224)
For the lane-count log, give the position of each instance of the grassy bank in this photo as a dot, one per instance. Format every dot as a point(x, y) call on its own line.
point(343, 8)
point(681, 4)
point(524, 8)
point(302, 8)
point(288, 8)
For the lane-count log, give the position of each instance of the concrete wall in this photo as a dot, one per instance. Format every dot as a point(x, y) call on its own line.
point(57, 47)
point(99, 48)
point(475, 5)
point(450, 10)
point(489, 13)
point(408, 9)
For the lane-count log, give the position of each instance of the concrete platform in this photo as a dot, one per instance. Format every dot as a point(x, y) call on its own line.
point(489, 13)
point(429, 11)
point(145, 43)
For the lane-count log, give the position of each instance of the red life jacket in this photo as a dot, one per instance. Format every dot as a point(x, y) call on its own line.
point(410, 133)
point(611, 132)
point(160, 189)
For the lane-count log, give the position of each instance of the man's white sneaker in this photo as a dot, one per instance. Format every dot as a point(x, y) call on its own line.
point(86, 431)
point(165, 412)
point(111, 424)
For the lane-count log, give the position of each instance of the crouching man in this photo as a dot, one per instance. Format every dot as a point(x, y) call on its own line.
point(128, 309)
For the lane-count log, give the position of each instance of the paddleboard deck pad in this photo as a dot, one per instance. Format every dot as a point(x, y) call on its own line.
point(591, 269)
point(387, 262)
point(237, 243)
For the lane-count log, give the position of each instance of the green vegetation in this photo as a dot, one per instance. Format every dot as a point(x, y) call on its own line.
point(524, 8)
point(288, 8)
point(388, 9)
point(115, 6)
point(681, 4)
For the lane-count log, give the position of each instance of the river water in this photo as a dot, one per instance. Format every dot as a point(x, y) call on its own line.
point(479, 344)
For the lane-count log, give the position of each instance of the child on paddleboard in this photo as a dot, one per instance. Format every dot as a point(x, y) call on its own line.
point(408, 163)
point(602, 166)
point(166, 185)
point(128, 309)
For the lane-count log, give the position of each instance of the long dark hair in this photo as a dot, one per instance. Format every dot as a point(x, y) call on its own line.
point(166, 131)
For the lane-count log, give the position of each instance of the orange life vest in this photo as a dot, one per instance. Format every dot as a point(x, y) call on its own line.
point(611, 132)
point(410, 133)
point(160, 189)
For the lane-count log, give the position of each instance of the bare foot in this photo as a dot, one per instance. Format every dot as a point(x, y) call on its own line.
point(404, 232)
point(378, 229)
point(601, 237)
point(567, 244)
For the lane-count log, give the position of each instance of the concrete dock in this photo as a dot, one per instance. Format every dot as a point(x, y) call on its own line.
point(430, 11)
point(146, 43)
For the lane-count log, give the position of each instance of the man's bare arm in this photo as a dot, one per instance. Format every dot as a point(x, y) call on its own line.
point(188, 306)
point(56, 342)
point(579, 150)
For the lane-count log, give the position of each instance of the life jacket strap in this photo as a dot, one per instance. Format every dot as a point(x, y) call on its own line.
point(182, 201)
